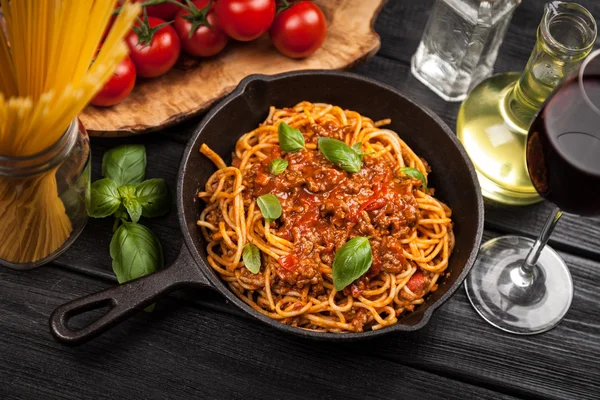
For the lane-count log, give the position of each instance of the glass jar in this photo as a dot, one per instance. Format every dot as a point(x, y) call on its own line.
point(44, 199)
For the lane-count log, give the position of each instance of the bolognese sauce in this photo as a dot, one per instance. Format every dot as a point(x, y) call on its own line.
point(322, 208)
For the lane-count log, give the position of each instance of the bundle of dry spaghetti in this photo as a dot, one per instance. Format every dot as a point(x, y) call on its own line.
point(50, 69)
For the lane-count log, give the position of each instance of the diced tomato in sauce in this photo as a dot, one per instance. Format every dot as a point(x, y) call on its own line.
point(416, 282)
point(377, 199)
point(262, 179)
point(355, 290)
point(289, 262)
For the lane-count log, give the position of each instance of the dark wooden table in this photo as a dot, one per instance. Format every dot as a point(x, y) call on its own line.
point(196, 346)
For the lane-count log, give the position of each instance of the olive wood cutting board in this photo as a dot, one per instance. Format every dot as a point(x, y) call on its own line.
point(193, 85)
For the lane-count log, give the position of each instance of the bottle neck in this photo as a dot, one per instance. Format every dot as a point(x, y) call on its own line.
point(530, 91)
point(565, 37)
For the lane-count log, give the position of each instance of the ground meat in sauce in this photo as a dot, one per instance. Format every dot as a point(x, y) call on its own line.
point(323, 207)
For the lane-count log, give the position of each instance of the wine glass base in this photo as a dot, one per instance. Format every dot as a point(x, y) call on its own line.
point(503, 297)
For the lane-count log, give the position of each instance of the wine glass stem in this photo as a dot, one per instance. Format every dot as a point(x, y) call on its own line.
point(538, 246)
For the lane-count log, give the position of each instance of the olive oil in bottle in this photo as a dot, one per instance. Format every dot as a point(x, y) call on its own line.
point(494, 119)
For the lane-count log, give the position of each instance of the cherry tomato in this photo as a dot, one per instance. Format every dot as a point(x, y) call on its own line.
point(299, 30)
point(165, 11)
point(207, 40)
point(153, 53)
point(245, 20)
point(118, 86)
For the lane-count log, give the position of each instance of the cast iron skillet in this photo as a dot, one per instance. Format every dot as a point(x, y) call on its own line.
point(453, 178)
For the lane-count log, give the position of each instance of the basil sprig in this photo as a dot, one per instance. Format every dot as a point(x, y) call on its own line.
point(251, 257)
point(126, 165)
point(270, 207)
point(135, 252)
point(130, 202)
point(290, 139)
point(105, 198)
point(277, 166)
point(153, 196)
point(415, 173)
point(339, 153)
point(351, 261)
point(124, 194)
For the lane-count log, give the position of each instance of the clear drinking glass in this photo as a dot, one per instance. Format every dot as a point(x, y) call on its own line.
point(460, 44)
point(60, 174)
point(520, 285)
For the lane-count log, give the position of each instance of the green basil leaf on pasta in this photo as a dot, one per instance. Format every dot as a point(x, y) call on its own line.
point(277, 166)
point(351, 261)
point(251, 257)
point(415, 173)
point(290, 139)
point(357, 147)
point(131, 203)
point(105, 198)
point(135, 252)
point(340, 154)
point(126, 165)
point(269, 207)
point(153, 195)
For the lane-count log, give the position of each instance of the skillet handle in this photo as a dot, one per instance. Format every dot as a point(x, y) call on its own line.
point(124, 300)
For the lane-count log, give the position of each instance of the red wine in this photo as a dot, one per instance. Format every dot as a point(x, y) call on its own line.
point(563, 148)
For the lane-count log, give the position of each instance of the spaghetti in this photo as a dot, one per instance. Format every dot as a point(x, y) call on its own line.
point(323, 207)
point(48, 74)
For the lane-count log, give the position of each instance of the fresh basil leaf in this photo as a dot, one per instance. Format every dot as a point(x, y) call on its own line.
point(290, 139)
point(351, 261)
point(135, 252)
point(415, 173)
point(357, 147)
point(251, 256)
point(340, 154)
point(126, 165)
point(277, 166)
point(269, 207)
point(131, 202)
point(153, 195)
point(105, 198)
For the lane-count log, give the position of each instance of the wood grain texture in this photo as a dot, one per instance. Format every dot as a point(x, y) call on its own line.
point(184, 91)
point(198, 346)
point(180, 352)
point(187, 350)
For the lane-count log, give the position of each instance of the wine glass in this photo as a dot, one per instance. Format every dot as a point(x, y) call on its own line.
point(520, 285)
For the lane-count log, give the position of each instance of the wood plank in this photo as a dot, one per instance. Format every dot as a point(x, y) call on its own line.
point(458, 344)
point(180, 352)
point(195, 339)
point(559, 364)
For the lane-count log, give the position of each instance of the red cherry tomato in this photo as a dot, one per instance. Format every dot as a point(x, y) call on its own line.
point(118, 86)
point(299, 30)
point(245, 20)
point(157, 56)
point(207, 40)
point(166, 11)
